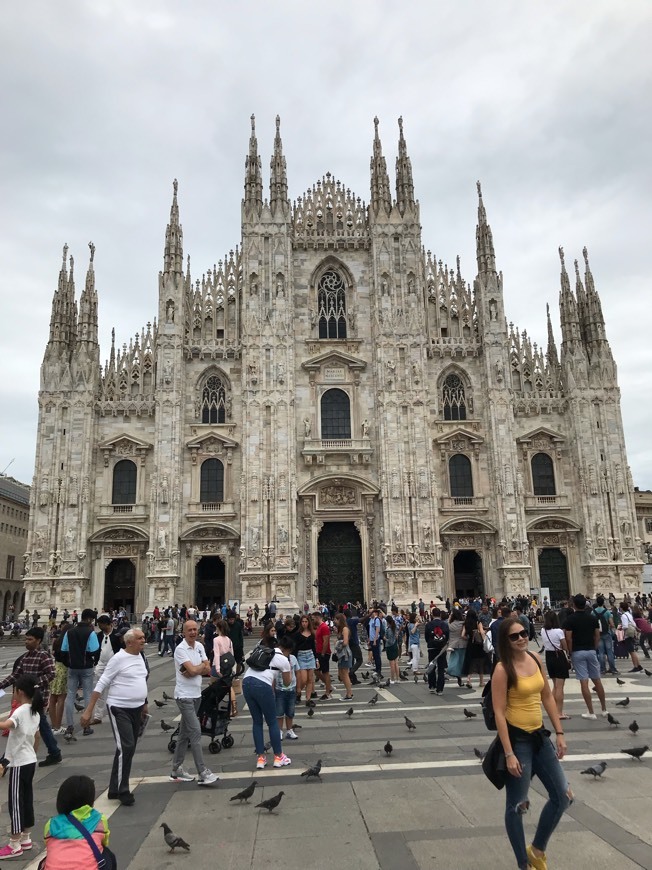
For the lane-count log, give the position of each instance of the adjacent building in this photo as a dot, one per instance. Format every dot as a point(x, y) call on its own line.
point(14, 529)
point(328, 412)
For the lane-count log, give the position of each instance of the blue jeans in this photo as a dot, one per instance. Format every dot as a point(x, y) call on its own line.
point(262, 705)
point(77, 678)
point(606, 650)
point(49, 739)
point(542, 762)
point(375, 651)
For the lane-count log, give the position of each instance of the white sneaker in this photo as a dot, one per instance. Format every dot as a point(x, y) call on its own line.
point(282, 760)
point(590, 716)
point(207, 778)
point(392, 682)
point(604, 713)
point(291, 735)
point(181, 775)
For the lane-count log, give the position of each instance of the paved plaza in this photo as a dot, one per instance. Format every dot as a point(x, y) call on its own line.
point(428, 803)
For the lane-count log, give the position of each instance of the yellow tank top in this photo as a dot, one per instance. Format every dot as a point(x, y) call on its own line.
point(524, 702)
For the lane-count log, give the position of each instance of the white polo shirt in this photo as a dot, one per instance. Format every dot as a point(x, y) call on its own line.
point(188, 687)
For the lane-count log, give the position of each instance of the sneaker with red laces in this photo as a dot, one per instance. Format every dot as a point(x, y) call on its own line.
point(282, 760)
point(9, 851)
point(261, 763)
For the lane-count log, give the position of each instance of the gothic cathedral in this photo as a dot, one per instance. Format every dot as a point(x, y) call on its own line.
point(328, 413)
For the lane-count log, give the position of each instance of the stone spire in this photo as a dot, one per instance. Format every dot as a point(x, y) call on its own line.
point(278, 179)
point(551, 352)
point(173, 254)
point(594, 317)
point(381, 200)
point(404, 183)
point(87, 325)
point(484, 241)
point(253, 198)
point(63, 320)
point(569, 314)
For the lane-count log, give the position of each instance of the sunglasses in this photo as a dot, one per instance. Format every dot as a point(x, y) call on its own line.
point(518, 635)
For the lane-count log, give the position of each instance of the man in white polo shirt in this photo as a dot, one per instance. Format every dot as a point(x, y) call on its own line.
point(125, 679)
point(190, 665)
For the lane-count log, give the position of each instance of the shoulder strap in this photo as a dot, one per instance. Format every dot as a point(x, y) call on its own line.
point(532, 656)
point(101, 863)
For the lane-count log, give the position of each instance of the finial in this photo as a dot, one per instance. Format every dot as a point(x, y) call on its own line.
point(253, 125)
point(561, 256)
point(376, 122)
point(175, 186)
point(72, 264)
point(547, 311)
point(585, 254)
point(479, 187)
point(65, 254)
point(278, 124)
point(113, 335)
point(92, 249)
point(400, 124)
point(577, 269)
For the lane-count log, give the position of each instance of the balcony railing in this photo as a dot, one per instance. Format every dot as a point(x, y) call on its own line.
point(463, 503)
point(357, 449)
point(118, 512)
point(223, 508)
point(546, 502)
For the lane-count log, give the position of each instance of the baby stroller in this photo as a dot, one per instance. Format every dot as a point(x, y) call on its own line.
point(215, 709)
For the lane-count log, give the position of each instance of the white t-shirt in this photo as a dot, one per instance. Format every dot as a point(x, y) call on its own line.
point(551, 638)
point(278, 663)
point(125, 676)
point(188, 687)
point(20, 744)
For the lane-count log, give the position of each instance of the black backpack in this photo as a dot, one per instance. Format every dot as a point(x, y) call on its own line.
point(488, 703)
point(436, 638)
point(260, 658)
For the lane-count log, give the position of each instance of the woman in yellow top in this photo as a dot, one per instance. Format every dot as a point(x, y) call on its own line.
point(518, 689)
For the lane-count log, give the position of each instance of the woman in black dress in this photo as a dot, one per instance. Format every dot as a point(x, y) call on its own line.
point(475, 658)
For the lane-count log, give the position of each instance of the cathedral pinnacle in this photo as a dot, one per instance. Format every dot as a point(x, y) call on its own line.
point(278, 181)
point(404, 182)
point(87, 325)
point(484, 242)
point(173, 252)
point(381, 200)
point(551, 353)
point(253, 198)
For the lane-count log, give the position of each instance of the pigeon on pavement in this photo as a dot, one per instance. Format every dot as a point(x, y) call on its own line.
point(79, 707)
point(160, 703)
point(596, 769)
point(246, 793)
point(388, 748)
point(313, 771)
point(271, 803)
point(166, 697)
point(410, 724)
point(623, 703)
point(166, 727)
point(69, 737)
point(311, 712)
point(611, 720)
point(349, 712)
point(416, 678)
point(478, 753)
point(172, 840)
point(374, 700)
point(469, 714)
point(647, 673)
point(365, 675)
point(636, 752)
point(634, 727)
point(387, 683)
point(620, 682)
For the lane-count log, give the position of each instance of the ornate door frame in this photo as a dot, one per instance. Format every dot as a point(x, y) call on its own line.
point(215, 539)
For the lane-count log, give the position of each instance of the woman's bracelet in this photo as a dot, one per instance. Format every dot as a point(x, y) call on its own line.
point(559, 733)
point(509, 754)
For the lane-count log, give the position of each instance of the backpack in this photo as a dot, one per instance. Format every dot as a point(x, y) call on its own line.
point(604, 625)
point(382, 629)
point(436, 638)
point(260, 658)
point(488, 703)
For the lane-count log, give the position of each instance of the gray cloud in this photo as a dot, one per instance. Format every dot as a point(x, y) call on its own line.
point(106, 101)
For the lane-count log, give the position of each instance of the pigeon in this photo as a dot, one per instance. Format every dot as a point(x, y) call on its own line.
point(166, 727)
point(373, 701)
point(469, 714)
point(172, 840)
point(365, 675)
point(620, 682)
point(246, 793)
point(375, 679)
point(634, 727)
point(311, 712)
point(611, 720)
point(623, 703)
point(596, 769)
point(478, 753)
point(69, 737)
point(349, 712)
point(166, 697)
point(160, 703)
point(313, 771)
point(272, 803)
point(79, 707)
point(416, 678)
point(404, 675)
point(388, 748)
point(387, 683)
point(7, 666)
point(647, 673)
point(410, 724)
point(636, 752)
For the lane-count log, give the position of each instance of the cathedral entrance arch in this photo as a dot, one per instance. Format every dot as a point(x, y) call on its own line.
point(339, 563)
point(467, 571)
point(120, 585)
point(210, 582)
point(553, 574)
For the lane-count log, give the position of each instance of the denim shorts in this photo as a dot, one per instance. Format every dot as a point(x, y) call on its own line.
point(306, 660)
point(586, 664)
point(285, 702)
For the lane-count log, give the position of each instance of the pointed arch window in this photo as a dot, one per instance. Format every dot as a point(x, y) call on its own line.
point(212, 482)
point(454, 398)
point(335, 415)
point(543, 475)
point(213, 401)
point(331, 303)
point(461, 477)
point(125, 475)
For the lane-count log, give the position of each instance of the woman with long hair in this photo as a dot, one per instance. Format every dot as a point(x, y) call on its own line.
point(456, 645)
point(413, 637)
point(557, 664)
point(628, 627)
point(344, 654)
point(475, 658)
point(392, 650)
point(518, 691)
point(306, 653)
point(59, 685)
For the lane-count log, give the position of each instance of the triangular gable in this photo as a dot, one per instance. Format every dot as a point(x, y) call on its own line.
point(541, 432)
point(114, 443)
point(457, 434)
point(333, 357)
point(208, 438)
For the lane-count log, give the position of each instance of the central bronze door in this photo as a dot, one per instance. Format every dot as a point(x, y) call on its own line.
point(340, 563)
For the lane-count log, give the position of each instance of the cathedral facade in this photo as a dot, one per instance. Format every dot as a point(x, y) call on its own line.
point(328, 413)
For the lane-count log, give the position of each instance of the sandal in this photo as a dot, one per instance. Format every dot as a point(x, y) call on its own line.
point(564, 716)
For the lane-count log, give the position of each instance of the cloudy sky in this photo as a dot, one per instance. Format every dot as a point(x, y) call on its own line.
point(106, 101)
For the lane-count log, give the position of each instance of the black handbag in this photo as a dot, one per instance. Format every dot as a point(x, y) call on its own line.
point(494, 764)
